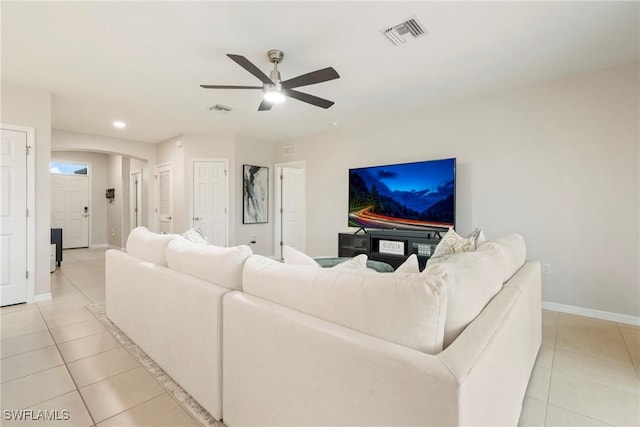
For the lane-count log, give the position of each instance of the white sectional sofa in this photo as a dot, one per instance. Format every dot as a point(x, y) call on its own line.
point(175, 317)
point(288, 345)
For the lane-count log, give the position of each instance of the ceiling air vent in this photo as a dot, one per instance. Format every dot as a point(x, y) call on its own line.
point(289, 150)
point(398, 34)
point(219, 108)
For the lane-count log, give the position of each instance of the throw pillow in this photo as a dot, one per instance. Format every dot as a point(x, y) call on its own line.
point(356, 263)
point(409, 266)
point(453, 243)
point(294, 256)
point(195, 235)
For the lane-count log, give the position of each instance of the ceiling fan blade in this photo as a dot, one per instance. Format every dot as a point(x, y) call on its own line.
point(265, 106)
point(313, 77)
point(248, 65)
point(229, 87)
point(309, 99)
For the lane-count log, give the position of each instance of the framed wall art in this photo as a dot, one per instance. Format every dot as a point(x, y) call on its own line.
point(255, 194)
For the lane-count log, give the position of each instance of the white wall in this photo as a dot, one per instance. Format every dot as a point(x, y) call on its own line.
point(258, 153)
point(183, 149)
point(115, 207)
point(143, 151)
point(98, 174)
point(32, 108)
point(556, 162)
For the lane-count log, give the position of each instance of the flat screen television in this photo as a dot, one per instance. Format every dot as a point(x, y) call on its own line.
point(407, 196)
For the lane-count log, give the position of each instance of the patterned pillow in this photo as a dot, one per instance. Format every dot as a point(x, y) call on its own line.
point(196, 235)
point(453, 243)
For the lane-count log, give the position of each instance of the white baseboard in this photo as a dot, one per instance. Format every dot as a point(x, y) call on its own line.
point(42, 297)
point(103, 246)
point(589, 312)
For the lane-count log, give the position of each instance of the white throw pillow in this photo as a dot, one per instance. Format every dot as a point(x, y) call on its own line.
point(411, 265)
point(512, 251)
point(149, 246)
point(453, 243)
point(356, 263)
point(406, 309)
point(293, 256)
point(216, 264)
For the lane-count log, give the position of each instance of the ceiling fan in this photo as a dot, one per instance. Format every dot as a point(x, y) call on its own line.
point(275, 90)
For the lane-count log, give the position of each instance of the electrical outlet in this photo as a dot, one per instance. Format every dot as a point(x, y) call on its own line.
point(113, 232)
point(546, 268)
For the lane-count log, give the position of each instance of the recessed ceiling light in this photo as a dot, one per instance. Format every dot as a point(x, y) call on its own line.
point(333, 124)
point(119, 125)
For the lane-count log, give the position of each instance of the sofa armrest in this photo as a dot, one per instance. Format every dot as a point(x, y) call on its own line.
point(175, 318)
point(288, 368)
point(493, 357)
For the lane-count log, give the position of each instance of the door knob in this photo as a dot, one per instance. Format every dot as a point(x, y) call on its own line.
point(196, 218)
point(169, 218)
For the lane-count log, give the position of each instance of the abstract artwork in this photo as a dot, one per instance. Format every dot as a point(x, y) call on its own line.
point(255, 195)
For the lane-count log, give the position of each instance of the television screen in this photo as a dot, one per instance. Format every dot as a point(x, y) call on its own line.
point(408, 196)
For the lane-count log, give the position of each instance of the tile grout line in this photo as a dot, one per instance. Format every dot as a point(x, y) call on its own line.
point(553, 358)
point(626, 346)
point(93, 421)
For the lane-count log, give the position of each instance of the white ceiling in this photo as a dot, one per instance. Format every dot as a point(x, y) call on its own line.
point(143, 62)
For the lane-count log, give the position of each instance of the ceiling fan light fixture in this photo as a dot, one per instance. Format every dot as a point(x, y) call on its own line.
point(274, 95)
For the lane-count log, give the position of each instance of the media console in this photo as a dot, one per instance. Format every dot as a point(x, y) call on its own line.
point(390, 246)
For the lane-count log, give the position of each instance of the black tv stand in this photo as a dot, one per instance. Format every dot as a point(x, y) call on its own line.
point(390, 246)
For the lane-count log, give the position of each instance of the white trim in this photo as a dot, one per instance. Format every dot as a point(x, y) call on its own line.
point(190, 174)
point(42, 297)
point(103, 245)
point(589, 312)
point(31, 206)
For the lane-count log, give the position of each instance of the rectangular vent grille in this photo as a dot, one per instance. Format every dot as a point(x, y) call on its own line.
point(398, 34)
point(289, 150)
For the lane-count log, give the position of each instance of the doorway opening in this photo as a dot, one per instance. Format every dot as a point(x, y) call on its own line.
point(290, 207)
point(70, 201)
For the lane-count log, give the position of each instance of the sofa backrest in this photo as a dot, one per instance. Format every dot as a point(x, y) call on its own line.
point(149, 246)
point(407, 309)
point(216, 264)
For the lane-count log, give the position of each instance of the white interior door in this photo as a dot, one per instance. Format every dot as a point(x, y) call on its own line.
point(290, 201)
point(13, 217)
point(210, 200)
point(70, 209)
point(135, 199)
point(164, 198)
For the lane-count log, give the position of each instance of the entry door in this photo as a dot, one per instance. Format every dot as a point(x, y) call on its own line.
point(292, 218)
point(70, 209)
point(13, 217)
point(135, 201)
point(210, 200)
point(165, 199)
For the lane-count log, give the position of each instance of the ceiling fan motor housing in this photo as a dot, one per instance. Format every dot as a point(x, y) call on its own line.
point(275, 56)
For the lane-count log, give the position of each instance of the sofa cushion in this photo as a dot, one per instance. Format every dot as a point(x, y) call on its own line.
point(511, 249)
point(149, 246)
point(473, 279)
point(407, 309)
point(216, 264)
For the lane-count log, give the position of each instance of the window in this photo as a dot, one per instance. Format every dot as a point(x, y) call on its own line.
point(68, 168)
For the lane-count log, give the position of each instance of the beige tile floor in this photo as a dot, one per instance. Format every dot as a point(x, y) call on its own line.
point(56, 356)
